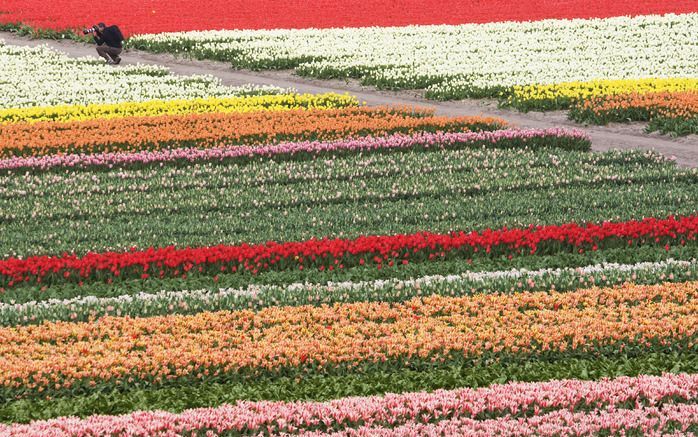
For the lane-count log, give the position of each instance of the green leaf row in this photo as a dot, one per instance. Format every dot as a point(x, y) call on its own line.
point(343, 196)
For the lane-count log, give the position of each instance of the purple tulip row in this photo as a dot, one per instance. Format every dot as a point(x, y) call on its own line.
point(395, 141)
point(584, 405)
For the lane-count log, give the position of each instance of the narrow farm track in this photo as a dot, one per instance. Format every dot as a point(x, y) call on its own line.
point(618, 136)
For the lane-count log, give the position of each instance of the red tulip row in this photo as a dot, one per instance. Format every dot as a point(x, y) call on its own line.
point(155, 16)
point(334, 254)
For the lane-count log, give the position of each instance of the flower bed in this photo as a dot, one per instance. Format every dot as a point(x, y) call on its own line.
point(609, 399)
point(151, 108)
point(572, 94)
point(667, 112)
point(59, 359)
point(40, 76)
point(455, 62)
point(158, 16)
point(212, 129)
point(205, 203)
point(338, 253)
point(146, 304)
point(504, 139)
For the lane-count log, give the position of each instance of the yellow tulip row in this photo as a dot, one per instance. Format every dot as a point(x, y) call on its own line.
point(561, 95)
point(178, 107)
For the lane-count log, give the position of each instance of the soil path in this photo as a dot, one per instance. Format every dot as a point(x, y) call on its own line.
point(621, 136)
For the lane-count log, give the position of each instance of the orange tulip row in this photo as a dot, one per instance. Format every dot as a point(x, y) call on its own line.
point(215, 129)
point(117, 350)
point(638, 106)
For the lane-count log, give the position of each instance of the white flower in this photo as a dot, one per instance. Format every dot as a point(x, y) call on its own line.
point(444, 58)
point(40, 76)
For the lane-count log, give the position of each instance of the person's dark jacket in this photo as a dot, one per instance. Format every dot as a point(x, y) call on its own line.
point(110, 36)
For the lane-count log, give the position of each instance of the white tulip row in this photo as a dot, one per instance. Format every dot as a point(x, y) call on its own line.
point(163, 302)
point(40, 76)
point(479, 56)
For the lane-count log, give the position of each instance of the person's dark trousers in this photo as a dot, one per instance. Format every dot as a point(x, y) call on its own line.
point(109, 53)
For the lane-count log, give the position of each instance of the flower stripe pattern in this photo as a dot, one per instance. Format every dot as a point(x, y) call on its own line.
point(509, 401)
point(338, 253)
point(150, 108)
point(79, 357)
point(531, 138)
point(207, 130)
point(287, 261)
point(160, 16)
point(143, 304)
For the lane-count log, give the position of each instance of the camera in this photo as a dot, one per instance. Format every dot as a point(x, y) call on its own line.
point(92, 29)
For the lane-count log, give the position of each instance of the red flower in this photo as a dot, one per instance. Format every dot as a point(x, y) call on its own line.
point(342, 252)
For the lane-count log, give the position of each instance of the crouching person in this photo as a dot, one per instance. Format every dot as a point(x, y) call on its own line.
point(109, 42)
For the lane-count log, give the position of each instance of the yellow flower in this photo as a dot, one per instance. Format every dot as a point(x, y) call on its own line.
point(175, 107)
point(575, 91)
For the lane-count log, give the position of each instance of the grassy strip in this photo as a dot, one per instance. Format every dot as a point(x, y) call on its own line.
point(275, 194)
point(366, 383)
point(496, 170)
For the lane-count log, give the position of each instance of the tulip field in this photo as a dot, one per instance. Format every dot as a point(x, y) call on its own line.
point(587, 65)
point(183, 257)
point(604, 61)
point(157, 16)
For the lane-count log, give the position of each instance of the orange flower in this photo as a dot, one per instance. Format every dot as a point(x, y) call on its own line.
point(206, 130)
point(118, 348)
point(682, 104)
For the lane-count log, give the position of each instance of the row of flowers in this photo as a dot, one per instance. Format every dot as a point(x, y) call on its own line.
point(525, 138)
point(453, 62)
point(344, 253)
point(269, 101)
point(144, 304)
point(40, 76)
point(667, 111)
point(204, 203)
point(652, 421)
point(609, 398)
point(568, 94)
point(161, 16)
point(167, 131)
point(77, 358)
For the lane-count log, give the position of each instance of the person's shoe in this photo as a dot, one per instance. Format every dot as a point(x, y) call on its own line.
point(110, 62)
point(117, 60)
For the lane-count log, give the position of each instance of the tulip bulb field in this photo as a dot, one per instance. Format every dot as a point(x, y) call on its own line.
point(549, 64)
point(181, 256)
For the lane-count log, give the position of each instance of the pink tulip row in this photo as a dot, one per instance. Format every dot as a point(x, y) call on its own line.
point(646, 421)
point(454, 408)
point(396, 141)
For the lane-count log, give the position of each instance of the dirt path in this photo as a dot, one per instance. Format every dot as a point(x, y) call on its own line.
point(621, 136)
